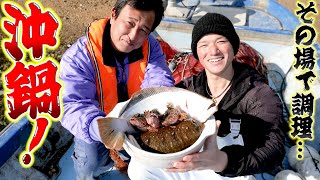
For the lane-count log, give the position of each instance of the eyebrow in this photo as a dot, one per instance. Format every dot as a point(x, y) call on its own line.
point(219, 38)
point(144, 26)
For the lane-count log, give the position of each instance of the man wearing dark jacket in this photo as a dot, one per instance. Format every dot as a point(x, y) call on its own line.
point(250, 136)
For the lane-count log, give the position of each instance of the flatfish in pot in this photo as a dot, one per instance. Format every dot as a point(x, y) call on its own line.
point(171, 139)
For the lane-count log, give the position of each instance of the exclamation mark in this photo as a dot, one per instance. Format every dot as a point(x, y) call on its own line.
point(38, 135)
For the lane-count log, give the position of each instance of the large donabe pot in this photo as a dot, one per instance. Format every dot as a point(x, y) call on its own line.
point(195, 105)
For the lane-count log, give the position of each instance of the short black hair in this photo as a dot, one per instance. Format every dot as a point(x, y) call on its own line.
point(143, 5)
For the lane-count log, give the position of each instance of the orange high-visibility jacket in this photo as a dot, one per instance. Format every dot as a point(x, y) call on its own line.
point(106, 79)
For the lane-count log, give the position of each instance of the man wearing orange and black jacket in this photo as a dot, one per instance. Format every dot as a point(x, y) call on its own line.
point(116, 58)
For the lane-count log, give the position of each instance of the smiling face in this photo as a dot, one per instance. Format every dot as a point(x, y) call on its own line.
point(130, 29)
point(216, 54)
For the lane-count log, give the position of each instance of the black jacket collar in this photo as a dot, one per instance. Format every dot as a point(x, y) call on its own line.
point(244, 76)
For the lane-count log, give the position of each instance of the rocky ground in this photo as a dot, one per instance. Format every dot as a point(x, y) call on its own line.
point(75, 15)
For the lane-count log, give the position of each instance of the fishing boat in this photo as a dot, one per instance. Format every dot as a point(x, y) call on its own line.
point(265, 25)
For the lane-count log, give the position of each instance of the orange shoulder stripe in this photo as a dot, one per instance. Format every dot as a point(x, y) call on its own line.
point(106, 81)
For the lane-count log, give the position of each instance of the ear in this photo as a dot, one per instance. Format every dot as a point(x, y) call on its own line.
point(113, 15)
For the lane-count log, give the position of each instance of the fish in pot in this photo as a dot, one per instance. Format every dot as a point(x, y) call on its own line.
point(116, 132)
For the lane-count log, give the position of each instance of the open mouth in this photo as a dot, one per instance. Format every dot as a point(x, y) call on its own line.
point(215, 59)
